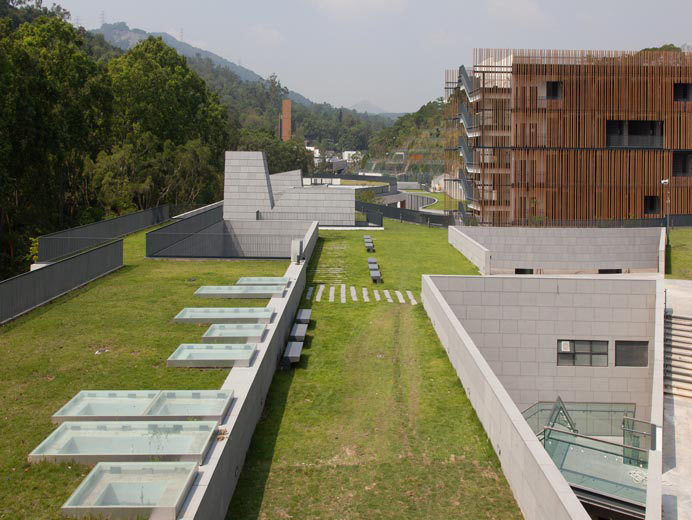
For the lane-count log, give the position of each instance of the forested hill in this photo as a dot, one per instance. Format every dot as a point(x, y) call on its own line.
point(88, 132)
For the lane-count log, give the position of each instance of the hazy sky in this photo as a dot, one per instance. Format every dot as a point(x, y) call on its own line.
point(390, 52)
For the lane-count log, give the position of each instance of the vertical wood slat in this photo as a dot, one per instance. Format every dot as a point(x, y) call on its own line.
point(559, 167)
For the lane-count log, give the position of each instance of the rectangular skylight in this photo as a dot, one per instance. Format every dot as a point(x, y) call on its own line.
point(225, 315)
point(234, 333)
point(132, 490)
point(240, 291)
point(209, 355)
point(263, 280)
point(170, 405)
point(101, 441)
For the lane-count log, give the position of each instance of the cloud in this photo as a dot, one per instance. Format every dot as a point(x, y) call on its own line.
point(516, 12)
point(351, 8)
point(263, 36)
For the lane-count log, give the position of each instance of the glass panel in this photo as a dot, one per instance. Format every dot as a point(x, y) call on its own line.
point(240, 291)
point(224, 315)
point(582, 346)
point(263, 280)
point(599, 360)
point(582, 360)
point(596, 465)
point(565, 359)
point(212, 355)
point(631, 353)
point(139, 489)
point(234, 333)
point(599, 346)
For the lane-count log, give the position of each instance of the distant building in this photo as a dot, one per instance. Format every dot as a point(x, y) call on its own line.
point(540, 136)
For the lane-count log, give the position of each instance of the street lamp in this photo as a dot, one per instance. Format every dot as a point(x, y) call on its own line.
point(666, 184)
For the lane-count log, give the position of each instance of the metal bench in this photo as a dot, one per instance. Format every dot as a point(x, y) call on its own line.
point(292, 353)
point(372, 260)
point(303, 316)
point(374, 267)
point(376, 276)
point(369, 247)
point(298, 332)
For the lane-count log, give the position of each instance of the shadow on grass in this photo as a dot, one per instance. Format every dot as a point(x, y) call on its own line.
point(249, 492)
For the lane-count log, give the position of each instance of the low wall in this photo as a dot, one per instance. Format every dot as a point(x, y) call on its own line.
point(211, 493)
point(62, 243)
point(568, 250)
point(476, 253)
point(406, 215)
point(539, 488)
point(28, 291)
point(233, 239)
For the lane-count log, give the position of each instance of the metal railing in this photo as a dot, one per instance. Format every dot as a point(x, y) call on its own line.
point(466, 152)
point(407, 215)
point(161, 242)
point(62, 243)
point(21, 294)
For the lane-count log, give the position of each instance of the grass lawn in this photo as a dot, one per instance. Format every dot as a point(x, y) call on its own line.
point(374, 422)
point(681, 253)
point(49, 355)
point(403, 251)
point(444, 201)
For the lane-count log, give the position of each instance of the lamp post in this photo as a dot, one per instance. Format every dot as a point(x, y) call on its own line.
point(666, 184)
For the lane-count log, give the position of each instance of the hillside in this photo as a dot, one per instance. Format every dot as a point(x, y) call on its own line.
point(120, 35)
point(412, 146)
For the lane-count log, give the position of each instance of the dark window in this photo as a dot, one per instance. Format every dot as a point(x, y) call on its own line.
point(631, 353)
point(652, 205)
point(682, 164)
point(610, 271)
point(523, 271)
point(634, 134)
point(553, 89)
point(682, 92)
point(582, 353)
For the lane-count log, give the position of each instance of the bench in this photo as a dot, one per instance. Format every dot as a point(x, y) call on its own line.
point(372, 260)
point(303, 316)
point(369, 248)
point(376, 276)
point(298, 332)
point(366, 237)
point(292, 353)
point(374, 267)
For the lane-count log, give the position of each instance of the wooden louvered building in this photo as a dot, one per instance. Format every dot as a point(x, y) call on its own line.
point(549, 137)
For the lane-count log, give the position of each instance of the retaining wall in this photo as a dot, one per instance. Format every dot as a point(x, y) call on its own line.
point(563, 250)
point(539, 488)
point(211, 493)
point(21, 294)
point(467, 246)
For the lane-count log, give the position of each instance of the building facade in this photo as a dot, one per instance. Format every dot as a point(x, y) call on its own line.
point(546, 137)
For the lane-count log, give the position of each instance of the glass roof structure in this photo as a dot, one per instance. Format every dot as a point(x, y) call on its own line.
point(224, 315)
point(212, 355)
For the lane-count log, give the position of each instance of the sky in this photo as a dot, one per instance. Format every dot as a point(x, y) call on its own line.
point(392, 53)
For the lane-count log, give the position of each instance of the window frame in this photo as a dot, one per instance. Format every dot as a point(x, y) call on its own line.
point(591, 353)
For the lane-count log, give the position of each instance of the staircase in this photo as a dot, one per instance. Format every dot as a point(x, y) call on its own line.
point(678, 356)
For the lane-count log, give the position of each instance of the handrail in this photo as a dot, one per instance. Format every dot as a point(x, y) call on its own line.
point(466, 118)
point(465, 150)
point(465, 80)
point(593, 439)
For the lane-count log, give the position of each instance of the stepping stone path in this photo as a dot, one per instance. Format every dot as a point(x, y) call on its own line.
point(319, 293)
point(378, 295)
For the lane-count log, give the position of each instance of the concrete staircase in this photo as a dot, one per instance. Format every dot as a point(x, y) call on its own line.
point(678, 356)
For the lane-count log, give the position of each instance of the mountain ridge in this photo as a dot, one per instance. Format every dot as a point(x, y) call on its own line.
point(122, 36)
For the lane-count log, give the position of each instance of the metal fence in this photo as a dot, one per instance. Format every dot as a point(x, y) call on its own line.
point(63, 243)
point(27, 291)
point(160, 241)
point(675, 220)
point(406, 215)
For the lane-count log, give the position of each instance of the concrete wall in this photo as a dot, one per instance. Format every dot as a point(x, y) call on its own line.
point(285, 181)
point(331, 207)
point(246, 185)
point(213, 489)
point(538, 486)
point(248, 188)
point(516, 322)
point(565, 250)
point(476, 253)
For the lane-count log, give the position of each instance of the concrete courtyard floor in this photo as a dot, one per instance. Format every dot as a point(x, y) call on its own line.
point(680, 297)
point(677, 458)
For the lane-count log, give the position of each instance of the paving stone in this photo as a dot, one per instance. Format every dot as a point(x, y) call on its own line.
point(410, 297)
point(388, 296)
point(309, 295)
point(319, 293)
point(377, 295)
point(354, 296)
point(366, 298)
point(400, 296)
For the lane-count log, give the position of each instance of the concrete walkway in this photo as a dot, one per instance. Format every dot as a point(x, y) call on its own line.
point(679, 293)
point(677, 458)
